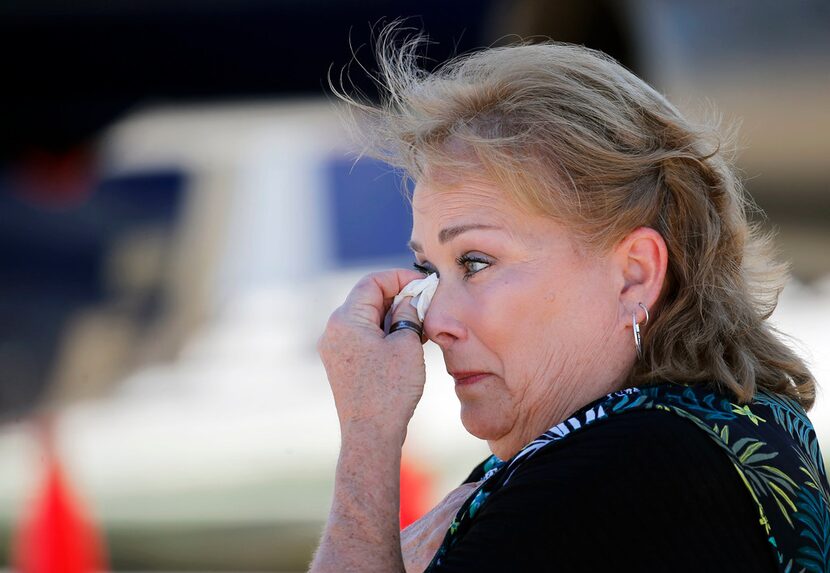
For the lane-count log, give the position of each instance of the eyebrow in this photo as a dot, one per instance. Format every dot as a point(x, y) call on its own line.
point(448, 234)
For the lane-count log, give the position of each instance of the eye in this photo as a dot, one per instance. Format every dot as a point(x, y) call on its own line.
point(473, 264)
point(423, 269)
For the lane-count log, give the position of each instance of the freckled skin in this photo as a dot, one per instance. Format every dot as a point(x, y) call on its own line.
point(543, 317)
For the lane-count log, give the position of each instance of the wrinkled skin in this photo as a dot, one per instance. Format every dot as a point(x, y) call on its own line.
point(548, 325)
point(377, 380)
point(374, 377)
point(531, 309)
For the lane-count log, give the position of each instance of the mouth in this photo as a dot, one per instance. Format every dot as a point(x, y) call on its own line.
point(466, 378)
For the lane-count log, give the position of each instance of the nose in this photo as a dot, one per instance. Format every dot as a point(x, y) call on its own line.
point(443, 322)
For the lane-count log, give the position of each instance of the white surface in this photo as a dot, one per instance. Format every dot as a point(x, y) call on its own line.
point(242, 424)
point(247, 405)
point(247, 401)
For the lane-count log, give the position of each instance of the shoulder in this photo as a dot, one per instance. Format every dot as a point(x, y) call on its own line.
point(649, 483)
point(674, 447)
point(636, 464)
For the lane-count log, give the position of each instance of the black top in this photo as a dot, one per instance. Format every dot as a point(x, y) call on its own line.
point(646, 491)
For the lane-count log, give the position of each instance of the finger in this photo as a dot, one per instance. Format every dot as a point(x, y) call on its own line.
point(373, 294)
point(405, 311)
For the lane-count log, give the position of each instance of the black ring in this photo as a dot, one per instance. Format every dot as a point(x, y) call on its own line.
point(407, 324)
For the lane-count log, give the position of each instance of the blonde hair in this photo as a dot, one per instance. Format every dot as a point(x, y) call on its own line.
point(574, 135)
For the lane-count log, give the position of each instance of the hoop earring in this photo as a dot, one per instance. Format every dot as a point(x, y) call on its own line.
point(638, 341)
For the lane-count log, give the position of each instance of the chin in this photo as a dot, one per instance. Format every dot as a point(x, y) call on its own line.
point(482, 423)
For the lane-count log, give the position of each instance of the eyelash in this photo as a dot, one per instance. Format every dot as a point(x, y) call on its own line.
point(461, 261)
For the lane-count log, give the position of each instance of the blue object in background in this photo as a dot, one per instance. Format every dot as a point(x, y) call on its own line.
point(371, 217)
point(51, 266)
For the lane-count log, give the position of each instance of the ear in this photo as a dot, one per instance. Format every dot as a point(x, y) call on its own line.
point(642, 258)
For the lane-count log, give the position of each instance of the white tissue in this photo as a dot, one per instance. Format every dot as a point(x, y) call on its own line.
point(421, 291)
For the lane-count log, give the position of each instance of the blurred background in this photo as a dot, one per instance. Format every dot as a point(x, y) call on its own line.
point(180, 212)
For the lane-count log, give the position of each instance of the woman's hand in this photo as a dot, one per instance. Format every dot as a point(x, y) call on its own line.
point(377, 379)
point(421, 540)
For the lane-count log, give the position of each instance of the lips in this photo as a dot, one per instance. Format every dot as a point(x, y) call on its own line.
point(470, 377)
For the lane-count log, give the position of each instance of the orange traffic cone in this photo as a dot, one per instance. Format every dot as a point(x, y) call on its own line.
point(416, 490)
point(56, 535)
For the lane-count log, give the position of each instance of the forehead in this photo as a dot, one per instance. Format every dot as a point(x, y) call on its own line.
point(477, 201)
point(470, 198)
point(439, 208)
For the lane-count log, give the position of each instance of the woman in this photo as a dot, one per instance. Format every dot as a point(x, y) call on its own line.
point(601, 305)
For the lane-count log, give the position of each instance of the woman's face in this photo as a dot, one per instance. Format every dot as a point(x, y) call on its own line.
point(519, 303)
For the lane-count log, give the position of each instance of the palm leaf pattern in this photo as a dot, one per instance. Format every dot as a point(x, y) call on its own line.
point(815, 476)
point(771, 444)
point(708, 406)
point(790, 416)
point(765, 479)
point(814, 555)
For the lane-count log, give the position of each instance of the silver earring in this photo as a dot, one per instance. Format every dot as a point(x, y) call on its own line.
point(638, 342)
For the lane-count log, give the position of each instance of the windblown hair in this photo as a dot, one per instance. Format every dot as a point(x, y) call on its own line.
point(572, 134)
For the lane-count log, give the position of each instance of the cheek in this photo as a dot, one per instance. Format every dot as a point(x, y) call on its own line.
point(505, 319)
point(535, 322)
point(574, 319)
point(494, 316)
point(498, 310)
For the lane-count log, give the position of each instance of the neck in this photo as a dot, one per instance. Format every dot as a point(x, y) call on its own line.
point(534, 423)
